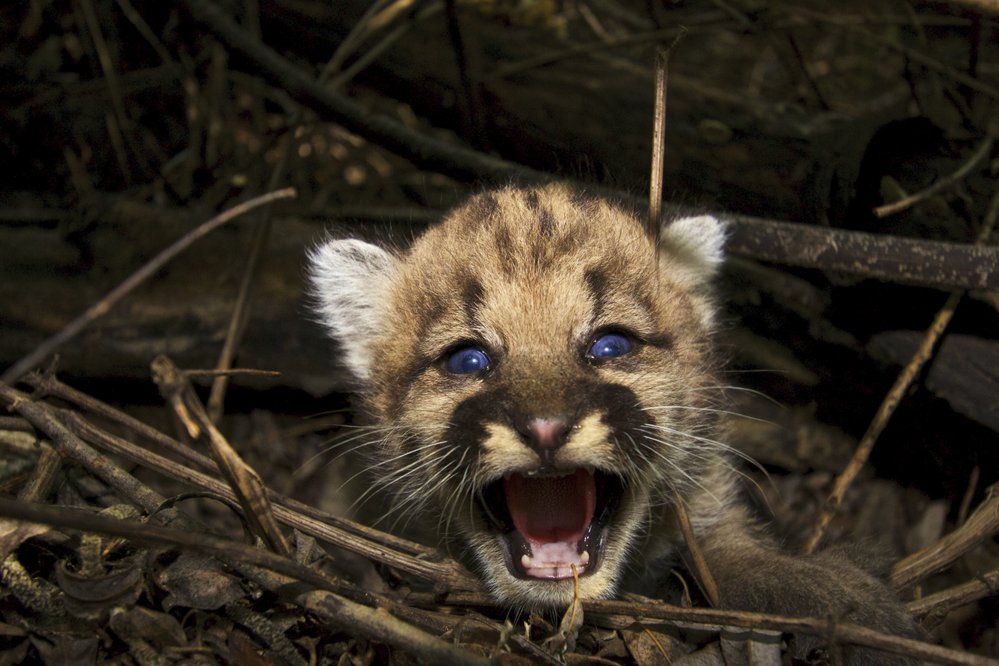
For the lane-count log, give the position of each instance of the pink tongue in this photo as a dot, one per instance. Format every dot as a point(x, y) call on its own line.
point(547, 510)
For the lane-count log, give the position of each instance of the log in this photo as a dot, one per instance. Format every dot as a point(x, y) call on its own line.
point(965, 371)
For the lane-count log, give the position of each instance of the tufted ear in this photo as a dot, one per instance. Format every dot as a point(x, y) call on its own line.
point(692, 247)
point(349, 284)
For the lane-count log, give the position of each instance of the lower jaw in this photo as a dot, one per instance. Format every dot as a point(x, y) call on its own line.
point(539, 594)
point(530, 562)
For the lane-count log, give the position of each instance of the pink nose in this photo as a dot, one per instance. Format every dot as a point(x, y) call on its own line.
point(547, 433)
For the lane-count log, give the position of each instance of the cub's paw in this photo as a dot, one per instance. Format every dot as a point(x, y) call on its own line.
point(825, 586)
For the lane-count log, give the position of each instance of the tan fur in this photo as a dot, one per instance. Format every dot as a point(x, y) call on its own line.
point(532, 275)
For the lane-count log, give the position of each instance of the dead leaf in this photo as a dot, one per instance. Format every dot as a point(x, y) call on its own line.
point(652, 648)
point(197, 581)
point(159, 629)
point(93, 595)
point(15, 532)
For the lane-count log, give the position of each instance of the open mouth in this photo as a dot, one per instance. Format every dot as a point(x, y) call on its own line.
point(550, 523)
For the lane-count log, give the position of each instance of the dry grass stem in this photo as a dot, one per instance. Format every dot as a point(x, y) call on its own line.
point(656, 174)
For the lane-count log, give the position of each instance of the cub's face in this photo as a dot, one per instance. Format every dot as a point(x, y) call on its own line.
point(537, 375)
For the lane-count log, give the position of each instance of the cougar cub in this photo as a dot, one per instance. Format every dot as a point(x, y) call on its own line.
point(540, 384)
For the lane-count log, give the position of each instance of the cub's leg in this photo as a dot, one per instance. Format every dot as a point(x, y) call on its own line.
point(754, 575)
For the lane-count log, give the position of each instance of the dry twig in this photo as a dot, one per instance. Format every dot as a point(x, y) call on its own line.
point(982, 524)
point(378, 546)
point(246, 484)
point(45, 419)
point(943, 602)
point(700, 566)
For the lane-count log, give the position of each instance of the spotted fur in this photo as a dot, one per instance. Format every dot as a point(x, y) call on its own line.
point(532, 276)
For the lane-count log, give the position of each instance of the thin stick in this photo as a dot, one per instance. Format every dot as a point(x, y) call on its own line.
point(120, 125)
point(231, 372)
point(943, 602)
point(658, 146)
point(43, 478)
point(881, 419)
point(704, 576)
point(657, 172)
point(907, 202)
point(101, 307)
point(898, 389)
point(240, 313)
point(969, 493)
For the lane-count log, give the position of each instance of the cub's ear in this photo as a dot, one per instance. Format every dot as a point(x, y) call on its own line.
point(691, 247)
point(349, 284)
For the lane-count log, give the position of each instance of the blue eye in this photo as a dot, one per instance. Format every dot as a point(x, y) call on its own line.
point(467, 361)
point(610, 345)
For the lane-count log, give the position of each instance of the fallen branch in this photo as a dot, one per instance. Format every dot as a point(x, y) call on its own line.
point(888, 258)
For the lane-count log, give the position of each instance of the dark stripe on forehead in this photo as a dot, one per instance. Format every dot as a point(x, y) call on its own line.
point(505, 248)
point(472, 295)
point(569, 242)
point(478, 210)
point(596, 282)
point(542, 213)
point(429, 312)
point(532, 200)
